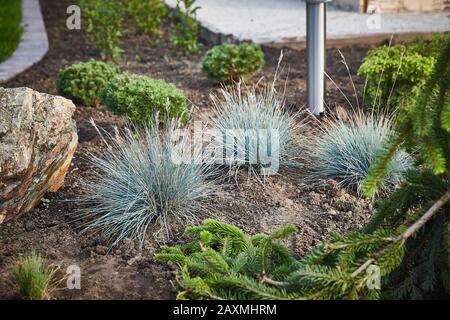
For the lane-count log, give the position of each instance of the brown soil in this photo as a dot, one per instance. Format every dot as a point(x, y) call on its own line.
point(126, 272)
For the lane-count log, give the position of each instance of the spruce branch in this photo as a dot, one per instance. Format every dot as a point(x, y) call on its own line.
point(363, 267)
point(424, 219)
point(378, 169)
point(409, 232)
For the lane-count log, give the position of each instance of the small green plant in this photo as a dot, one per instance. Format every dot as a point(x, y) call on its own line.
point(83, 81)
point(186, 30)
point(257, 131)
point(105, 25)
point(34, 280)
point(45, 202)
point(348, 147)
point(149, 15)
point(139, 184)
point(140, 98)
point(394, 76)
point(230, 62)
point(10, 27)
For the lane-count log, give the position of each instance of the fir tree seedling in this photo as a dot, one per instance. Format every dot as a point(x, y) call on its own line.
point(139, 184)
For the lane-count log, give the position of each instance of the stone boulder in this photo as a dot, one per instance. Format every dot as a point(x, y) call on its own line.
point(38, 138)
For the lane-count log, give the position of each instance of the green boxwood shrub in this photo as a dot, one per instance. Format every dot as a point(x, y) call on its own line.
point(229, 62)
point(82, 81)
point(140, 98)
point(396, 74)
point(148, 15)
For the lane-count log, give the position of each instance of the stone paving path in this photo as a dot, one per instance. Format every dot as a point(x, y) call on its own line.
point(33, 45)
point(264, 21)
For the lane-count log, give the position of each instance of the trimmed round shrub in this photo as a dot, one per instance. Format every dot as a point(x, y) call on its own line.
point(82, 82)
point(230, 62)
point(140, 98)
point(348, 147)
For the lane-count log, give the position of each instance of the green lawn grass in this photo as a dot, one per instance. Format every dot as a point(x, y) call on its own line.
point(10, 29)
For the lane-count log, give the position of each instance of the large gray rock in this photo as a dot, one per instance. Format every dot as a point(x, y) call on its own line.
point(37, 141)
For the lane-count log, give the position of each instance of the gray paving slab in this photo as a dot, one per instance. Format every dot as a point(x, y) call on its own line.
point(278, 21)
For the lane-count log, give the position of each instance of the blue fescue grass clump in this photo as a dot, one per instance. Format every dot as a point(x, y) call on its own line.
point(231, 62)
point(83, 81)
point(348, 147)
point(259, 122)
point(137, 183)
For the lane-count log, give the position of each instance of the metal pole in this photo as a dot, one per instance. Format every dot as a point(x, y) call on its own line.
point(316, 53)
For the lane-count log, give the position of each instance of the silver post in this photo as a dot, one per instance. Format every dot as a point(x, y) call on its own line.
point(316, 53)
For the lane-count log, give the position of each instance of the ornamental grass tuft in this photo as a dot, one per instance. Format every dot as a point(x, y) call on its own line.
point(348, 147)
point(139, 182)
point(33, 279)
point(257, 130)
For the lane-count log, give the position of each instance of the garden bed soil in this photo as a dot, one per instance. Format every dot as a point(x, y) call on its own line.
point(127, 272)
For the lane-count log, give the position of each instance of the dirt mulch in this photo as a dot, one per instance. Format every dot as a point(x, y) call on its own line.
point(126, 272)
